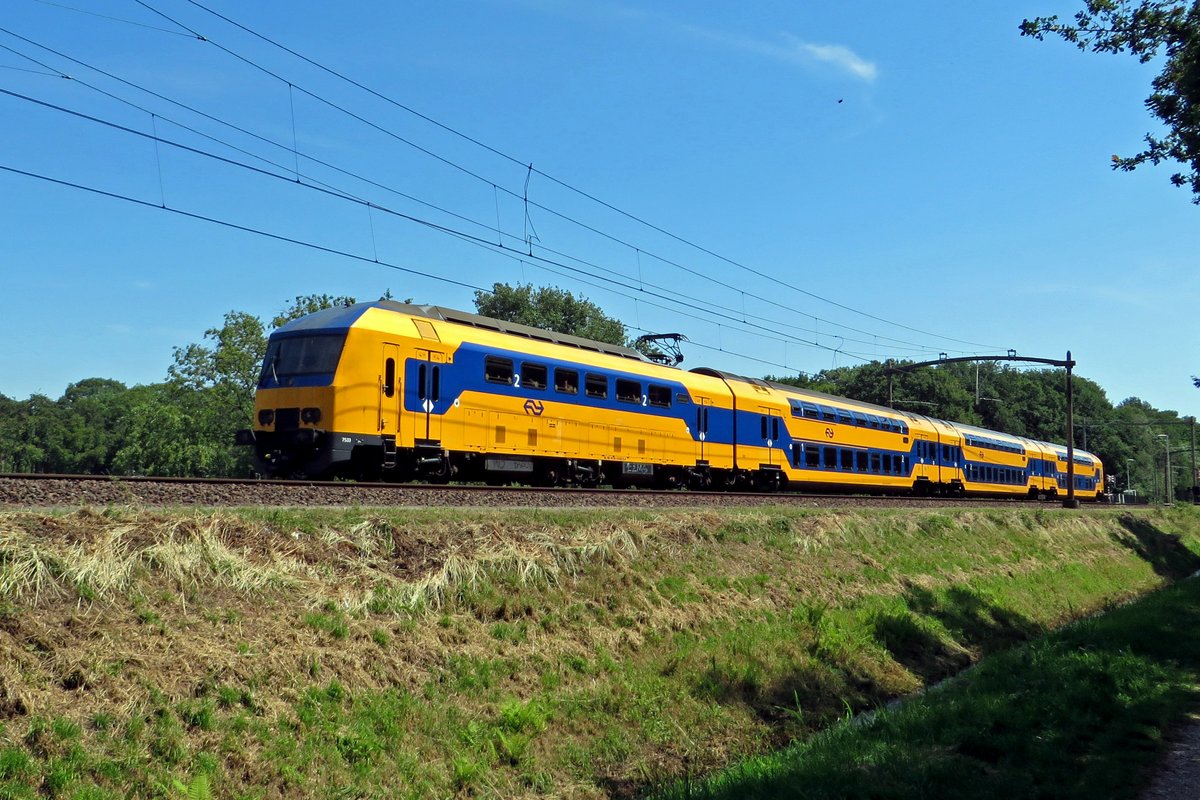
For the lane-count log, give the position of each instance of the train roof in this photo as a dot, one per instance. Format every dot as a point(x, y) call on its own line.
point(343, 317)
point(787, 387)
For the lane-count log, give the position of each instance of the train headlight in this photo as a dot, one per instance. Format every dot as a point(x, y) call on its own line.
point(311, 415)
point(266, 416)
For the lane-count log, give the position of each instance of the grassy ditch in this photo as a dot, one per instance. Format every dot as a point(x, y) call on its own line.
point(399, 653)
point(1078, 714)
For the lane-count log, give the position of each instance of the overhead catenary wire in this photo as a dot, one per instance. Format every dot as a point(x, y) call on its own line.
point(300, 242)
point(618, 278)
point(250, 62)
point(292, 149)
point(688, 301)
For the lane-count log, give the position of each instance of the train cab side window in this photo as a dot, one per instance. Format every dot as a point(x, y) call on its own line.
point(498, 370)
point(566, 381)
point(659, 396)
point(595, 386)
point(533, 376)
point(389, 377)
point(628, 391)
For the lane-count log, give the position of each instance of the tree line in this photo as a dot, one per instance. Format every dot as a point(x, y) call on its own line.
point(184, 425)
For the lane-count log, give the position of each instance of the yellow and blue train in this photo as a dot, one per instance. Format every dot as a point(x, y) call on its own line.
point(394, 391)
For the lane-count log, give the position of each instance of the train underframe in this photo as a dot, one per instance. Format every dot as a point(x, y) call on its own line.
point(325, 455)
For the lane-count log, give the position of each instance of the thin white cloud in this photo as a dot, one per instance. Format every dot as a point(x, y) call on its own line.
point(790, 49)
point(786, 48)
point(840, 56)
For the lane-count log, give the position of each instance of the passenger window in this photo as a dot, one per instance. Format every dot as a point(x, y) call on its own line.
point(533, 375)
point(860, 460)
point(628, 391)
point(812, 456)
point(566, 381)
point(875, 467)
point(847, 460)
point(495, 370)
point(830, 457)
point(659, 396)
point(596, 386)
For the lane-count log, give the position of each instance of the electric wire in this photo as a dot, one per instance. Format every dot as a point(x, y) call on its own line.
point(686, 302)
point(302, 243)
point(920, 348)
point(333, 191)
point(910, 346)
point(110, 19)
point(200, 37)
point(552, 178)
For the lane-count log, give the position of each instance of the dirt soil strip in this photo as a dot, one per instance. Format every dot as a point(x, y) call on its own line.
point(1178, 776)
point(58, 492)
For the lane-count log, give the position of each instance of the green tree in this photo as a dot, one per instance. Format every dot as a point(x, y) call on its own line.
point(311, 304)
point(93, 414)
point(173, 429)
point(550, 308)
point(1147, 29)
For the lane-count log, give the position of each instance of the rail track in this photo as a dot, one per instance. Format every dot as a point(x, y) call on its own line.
point(47, 490)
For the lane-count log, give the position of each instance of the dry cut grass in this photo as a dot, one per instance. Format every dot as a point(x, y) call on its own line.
point(590, 654)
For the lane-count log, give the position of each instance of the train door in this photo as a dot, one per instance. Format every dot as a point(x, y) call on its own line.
point(769, 430)
point(390, 395)
point(703, 406)
point(430, 364)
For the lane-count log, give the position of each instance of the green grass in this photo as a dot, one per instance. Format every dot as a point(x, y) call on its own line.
point(1078, 714)
point(511, 653)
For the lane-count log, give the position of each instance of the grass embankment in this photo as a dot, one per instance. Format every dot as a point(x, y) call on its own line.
point(1078, 714)
point(591, 653)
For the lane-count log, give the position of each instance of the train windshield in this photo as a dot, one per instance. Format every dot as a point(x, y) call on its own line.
point(295, 356)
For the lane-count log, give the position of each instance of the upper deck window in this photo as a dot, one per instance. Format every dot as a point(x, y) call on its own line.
point(533, 375)
point(292, 356)
point(628, 391)
point(498, 370)
point(595, 385)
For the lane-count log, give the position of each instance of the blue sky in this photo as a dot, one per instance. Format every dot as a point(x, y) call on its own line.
point(944, 182)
